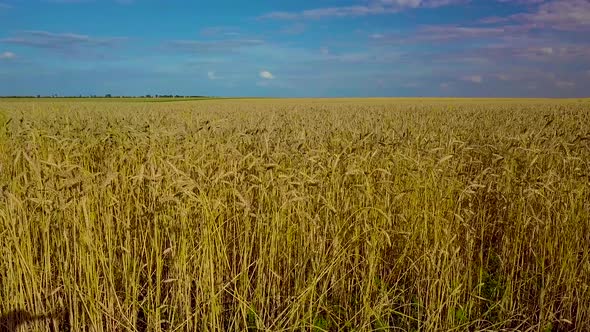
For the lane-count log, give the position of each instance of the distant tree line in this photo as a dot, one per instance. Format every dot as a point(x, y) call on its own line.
point(108, 95)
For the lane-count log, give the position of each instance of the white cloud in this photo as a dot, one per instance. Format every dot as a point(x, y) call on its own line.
point(7, 56)
point(473, 79)
point(504, 77)
point(547, 50)
point(266, 75)
point(212, 76)
point(565, 84)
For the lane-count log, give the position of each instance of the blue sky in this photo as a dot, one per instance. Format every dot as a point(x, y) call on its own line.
point(296, 48)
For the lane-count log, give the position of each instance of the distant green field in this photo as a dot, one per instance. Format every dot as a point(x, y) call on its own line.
point(408, 214)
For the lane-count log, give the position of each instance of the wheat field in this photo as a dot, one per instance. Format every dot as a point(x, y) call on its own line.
point(296, 215)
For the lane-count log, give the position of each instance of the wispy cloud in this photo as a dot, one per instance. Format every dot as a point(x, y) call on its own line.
point(522, 74)
point(4, 6)
point(121, 2)
point(411, 85)
point(220, 31)
point(478, 79)
point(550, 50)
point(536, 35)
point(560, 15)
point(211, 46)
point(59, 41)
point(373, 7)
point(521, 2)
point(446, 32)
point(505, 77)
point(565, 84)
point(69, 1)
point(568, 15)
point(294, 29)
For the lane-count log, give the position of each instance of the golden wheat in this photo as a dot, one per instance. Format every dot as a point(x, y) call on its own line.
point(319, 215)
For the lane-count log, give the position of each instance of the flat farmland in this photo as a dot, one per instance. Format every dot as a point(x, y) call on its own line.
point(296, 214)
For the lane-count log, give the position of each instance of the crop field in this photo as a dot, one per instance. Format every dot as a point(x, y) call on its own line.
point(295, 215)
